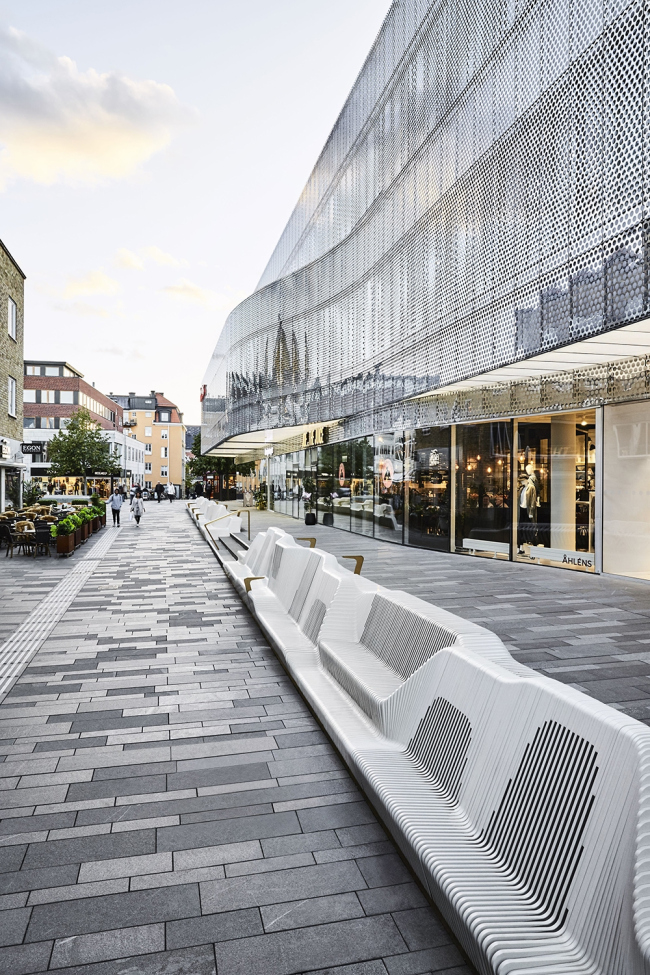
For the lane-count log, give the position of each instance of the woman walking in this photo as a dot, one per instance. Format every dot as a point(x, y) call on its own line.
point(116, 504)
point(171, 493)
point(137, 507)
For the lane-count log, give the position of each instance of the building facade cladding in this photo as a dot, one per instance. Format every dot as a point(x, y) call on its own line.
point(482, 199)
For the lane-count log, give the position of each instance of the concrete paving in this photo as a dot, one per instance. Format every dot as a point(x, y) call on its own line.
point(169, 805)
point(589, 631)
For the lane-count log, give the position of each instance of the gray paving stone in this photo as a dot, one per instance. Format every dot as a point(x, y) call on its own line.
point(299, 843)
point(214, 927)
point(383, 871)
point(112, 911)
point(314, 910)
point(230, 830)
point(13, 924)
point(384, 900)
point(362, 968)
point(88, 948)
point(332, 817)
point(282, 885)
point(187, 961)
point(25, 959)
point(300, 950)
point(103, 847)
point(448, 959)
point(125, 867)
point(419, 930)
point(37, 879)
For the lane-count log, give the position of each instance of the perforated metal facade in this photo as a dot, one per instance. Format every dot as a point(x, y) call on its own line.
point(482, 197)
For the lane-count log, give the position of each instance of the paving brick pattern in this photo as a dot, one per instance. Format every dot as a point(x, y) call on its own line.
point(589, 631)
point(170, 806)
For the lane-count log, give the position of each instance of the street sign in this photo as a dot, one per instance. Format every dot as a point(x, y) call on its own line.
point(31, 448)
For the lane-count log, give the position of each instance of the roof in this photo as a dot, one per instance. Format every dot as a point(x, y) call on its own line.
point(11, 258)
point(53, 362)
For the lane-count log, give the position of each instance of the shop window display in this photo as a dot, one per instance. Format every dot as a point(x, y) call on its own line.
point(556, 490)
point(483, 515)
point(325, 486)
point(427, 488)
point(389, 499)
point(341, 490)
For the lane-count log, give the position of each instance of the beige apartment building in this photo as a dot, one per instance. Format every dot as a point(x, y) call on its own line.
point(12, 286)
point(158, 423)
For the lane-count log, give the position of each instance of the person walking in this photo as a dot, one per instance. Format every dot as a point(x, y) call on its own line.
point(116, 504)
point(171, 493)
point(159, 490)
point(137, 507)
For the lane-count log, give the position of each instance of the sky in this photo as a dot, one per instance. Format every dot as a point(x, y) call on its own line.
point(151, 153)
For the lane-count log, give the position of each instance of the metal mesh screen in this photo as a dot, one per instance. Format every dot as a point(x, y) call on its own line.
point(481, 198)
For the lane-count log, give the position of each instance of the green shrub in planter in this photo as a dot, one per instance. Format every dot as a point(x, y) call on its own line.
point(64, 527)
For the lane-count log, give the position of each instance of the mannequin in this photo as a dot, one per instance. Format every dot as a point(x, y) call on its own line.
point(528, 494)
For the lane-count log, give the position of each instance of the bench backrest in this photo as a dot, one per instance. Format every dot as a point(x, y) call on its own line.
point(548, 783)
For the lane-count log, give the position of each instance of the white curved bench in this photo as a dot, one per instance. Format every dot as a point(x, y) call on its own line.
point(522, 804)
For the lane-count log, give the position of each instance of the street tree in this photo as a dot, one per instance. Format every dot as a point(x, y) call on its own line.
point(225, 467)
point(81, 450)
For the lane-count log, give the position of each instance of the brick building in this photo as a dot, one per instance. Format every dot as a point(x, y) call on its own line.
point(53, 391)
point(12, 286)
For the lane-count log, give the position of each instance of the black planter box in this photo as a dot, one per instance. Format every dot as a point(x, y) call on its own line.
point(310, 518)
point(328, 519)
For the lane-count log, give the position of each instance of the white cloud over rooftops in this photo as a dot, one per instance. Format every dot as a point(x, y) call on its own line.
point(58, 123)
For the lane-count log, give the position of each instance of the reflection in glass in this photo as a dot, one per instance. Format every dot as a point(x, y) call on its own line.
point(361, 464)
point(483, 502)
point(389, 475)
point(426, 488)
point(626, 522)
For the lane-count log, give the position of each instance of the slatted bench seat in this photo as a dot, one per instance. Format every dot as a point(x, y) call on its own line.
point(372, 645)
point(253, 561)
point(522, 804)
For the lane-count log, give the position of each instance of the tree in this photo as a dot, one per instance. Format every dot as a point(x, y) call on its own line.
point(81, 450)
point(202, 464)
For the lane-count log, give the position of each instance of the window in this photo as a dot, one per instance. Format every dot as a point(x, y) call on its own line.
point(147, 431)
point(164, 434)
point(47, 423)
point(63, 422)
point(67, 396)
point(29, 395)
point(147, 448)
point(12, 319)
point(29, 422)
point(48, 396)
point(134, 415)
point(148, 415)
point(52, 371)
point(164, 472)
point(11, 396)
point(33, 371)
point(147, 484)
point(164, 452)
point(67, 372)
point(164, 417)
point(147, 467)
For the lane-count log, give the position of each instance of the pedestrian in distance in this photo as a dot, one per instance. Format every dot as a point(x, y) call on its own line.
point(159, 491)
point(171, 493)
point(137, 507)
point(116, 505)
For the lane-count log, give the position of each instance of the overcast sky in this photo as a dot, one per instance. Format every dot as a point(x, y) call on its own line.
point(151, 153)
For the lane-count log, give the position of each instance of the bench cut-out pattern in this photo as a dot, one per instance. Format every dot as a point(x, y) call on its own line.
point(439, 747)
point(536, 833)
point(277, 561)
point(314, 620)
point(298, 602)
point(402, 639)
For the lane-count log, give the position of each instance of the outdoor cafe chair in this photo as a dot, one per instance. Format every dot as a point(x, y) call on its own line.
point(8, 537)
point(42, 537)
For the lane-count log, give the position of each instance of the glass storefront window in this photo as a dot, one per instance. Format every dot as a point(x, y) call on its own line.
point(483, 515)
point(325, 485)
point(389, 476)
point(626, 463)
point(556, 490)
point(361, 466)
point(427, 488)
point(341, 492)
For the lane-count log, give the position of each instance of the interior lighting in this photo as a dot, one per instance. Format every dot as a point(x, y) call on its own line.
point(489, 470)
point(478, 456)
point(499, 462)
point(583, 423)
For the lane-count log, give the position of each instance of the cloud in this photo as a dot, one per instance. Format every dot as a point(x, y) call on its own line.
point(127, 259)
point(92, 283)
point(81, 308)
point(161, 257)
point(58, 123)
point(188, 291)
